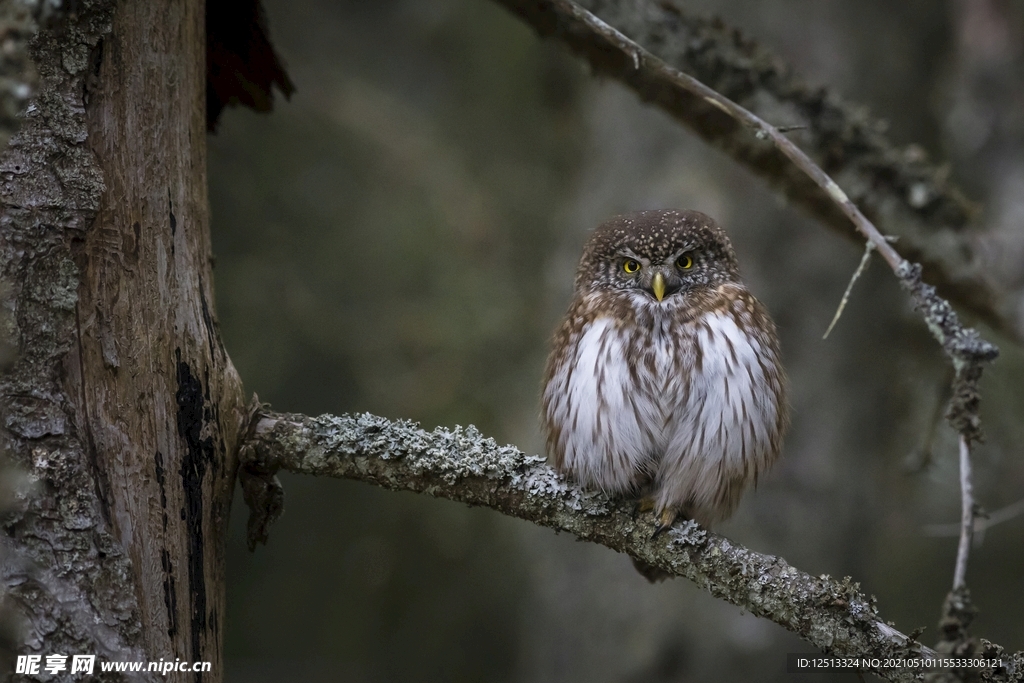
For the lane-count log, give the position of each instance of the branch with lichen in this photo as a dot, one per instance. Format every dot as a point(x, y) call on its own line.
point(462, 465)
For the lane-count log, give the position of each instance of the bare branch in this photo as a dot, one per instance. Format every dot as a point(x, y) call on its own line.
point(958, 610)
point(964, 346)
point(464, 466)
point(654, 41)
point(967, 515)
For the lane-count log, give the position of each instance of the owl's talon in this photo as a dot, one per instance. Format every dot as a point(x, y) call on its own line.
point(664, 523)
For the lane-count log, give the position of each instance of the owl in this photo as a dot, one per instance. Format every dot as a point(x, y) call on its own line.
point(665, 381)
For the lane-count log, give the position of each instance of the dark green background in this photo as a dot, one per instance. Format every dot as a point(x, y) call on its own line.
point(400, 239)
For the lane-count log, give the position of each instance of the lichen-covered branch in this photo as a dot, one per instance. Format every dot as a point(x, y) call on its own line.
point(901, 192)
point(464, 466)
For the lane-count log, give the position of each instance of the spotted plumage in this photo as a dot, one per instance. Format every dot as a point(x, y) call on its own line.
point(665, 380)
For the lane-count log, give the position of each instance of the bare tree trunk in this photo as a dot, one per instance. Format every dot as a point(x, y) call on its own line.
point(123, 403)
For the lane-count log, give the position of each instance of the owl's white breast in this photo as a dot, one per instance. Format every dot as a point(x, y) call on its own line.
point(605, 433)
point(731, 406)
point(695, 406)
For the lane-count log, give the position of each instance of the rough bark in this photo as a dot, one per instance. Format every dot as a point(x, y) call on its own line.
point(899, 189)
point(463, 465)
point(122, 404)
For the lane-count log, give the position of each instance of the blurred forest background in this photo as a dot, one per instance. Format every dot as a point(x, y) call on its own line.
point(401, 237)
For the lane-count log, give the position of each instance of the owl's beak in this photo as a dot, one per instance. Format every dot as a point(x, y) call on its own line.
point(658, 285)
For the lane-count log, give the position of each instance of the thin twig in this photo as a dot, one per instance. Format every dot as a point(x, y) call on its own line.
point(864, 260)
point(982, 523)
point(967, 514)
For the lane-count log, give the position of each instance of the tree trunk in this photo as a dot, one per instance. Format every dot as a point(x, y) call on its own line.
point(123, 403)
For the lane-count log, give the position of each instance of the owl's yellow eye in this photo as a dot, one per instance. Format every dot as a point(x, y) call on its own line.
point(630, 266)
point(684, 262)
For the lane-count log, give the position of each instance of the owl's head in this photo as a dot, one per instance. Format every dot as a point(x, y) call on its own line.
point(660, 254)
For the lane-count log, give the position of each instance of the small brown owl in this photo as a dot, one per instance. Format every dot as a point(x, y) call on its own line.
point(665, 380)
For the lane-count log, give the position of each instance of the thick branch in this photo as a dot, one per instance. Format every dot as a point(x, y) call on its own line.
point(463, 465)
point(897, 188)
